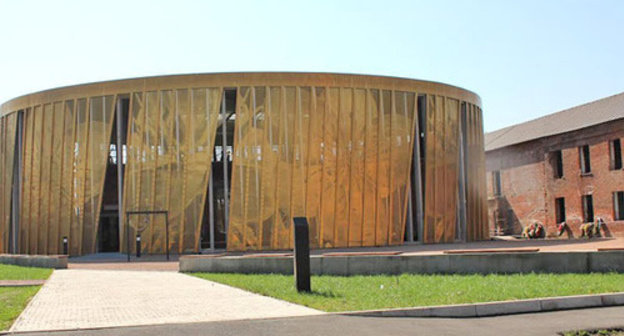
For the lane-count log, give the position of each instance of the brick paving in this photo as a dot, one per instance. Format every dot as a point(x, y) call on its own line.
point(81, 298)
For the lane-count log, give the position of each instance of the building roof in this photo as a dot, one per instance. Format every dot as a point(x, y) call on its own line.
point(589, 114)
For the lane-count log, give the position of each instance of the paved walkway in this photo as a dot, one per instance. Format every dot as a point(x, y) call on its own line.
point(73, 299)
point(118, 261)
point(512, 325)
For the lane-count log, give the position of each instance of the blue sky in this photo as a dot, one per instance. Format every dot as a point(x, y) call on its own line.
point(524, 58)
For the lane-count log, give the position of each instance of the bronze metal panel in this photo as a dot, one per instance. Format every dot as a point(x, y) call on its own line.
point(80, 176)
point(101, 110)
point(270, 157)
point(254, 206)
point(236, 230)
point(132, 174)
point(440, 148)
point(264, 160)
point(357, 173)
point(45, 211)
point(151, 236)
point(343, 104)
point(54, 209)
point(430, 172)
point(185, 126)
point(11, 132)
point(402, 142)
point(384, 175)
point(205, 105)
point(300, 154)
point(470, 231)
point(330, 137)
point(452, 168)
point(288, 111)
point(67, 171)
point(26, 183)
point(314, 173)
point(9, 129)
point(165, 157)
point(35, 225)
point(6, 168)
point(369, 227)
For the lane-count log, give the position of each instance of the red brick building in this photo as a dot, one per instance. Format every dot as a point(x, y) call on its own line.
point(565, 166)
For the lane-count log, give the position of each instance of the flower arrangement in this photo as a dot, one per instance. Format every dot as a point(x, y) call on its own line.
point(533, 231)
point(590, 230)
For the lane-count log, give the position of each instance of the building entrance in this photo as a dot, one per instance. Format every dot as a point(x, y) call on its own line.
point(108, 227)
point(216, 207)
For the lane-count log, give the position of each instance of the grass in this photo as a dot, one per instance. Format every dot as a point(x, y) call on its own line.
point(14, 299)
point(337, 293)
point(12, 272)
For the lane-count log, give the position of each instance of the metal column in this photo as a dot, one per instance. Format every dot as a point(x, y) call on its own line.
point(225, 160)
point(410, 217)
point(16, 192)
point(119, 144)
point(462, 174)
point(211, 211)
point(417, 173)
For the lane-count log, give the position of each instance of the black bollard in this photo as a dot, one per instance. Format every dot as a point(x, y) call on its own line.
point(138, 246)
point(302, 254)
point(65, 246)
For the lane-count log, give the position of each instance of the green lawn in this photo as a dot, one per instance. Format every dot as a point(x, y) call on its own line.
point(337, 293)
point(14, 299)
point(12, 272)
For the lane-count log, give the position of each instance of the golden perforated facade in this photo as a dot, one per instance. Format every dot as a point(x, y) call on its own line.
point(362, 157)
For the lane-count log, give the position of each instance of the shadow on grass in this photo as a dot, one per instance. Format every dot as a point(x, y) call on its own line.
point(324, 294)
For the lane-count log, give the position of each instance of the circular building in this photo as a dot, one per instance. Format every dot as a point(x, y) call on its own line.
point(211, 161)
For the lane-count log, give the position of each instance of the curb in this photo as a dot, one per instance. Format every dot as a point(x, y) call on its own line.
point(500, 307)
point(21, 283)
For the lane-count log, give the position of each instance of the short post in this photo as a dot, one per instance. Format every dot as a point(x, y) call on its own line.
point(138, 246)
point(302, 254)
point(167, 232)
point(65, 245)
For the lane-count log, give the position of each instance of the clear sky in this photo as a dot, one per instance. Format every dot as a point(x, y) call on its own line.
point(524, 58)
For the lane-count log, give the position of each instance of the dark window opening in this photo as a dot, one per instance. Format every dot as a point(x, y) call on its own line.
point(219, 186)
point(584, 159)
point(616, 154)
point(556, 161)
point(421, 103)
point(560, 210)
point(588, 209)
point(108, 228)
point(496, 183)
point(618, 205)
point(422, 119)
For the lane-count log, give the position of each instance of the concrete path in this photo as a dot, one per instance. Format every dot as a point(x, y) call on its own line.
point(511, 325)
point(73, 299)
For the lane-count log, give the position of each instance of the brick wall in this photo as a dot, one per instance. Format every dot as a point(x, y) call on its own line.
point(529, 186)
